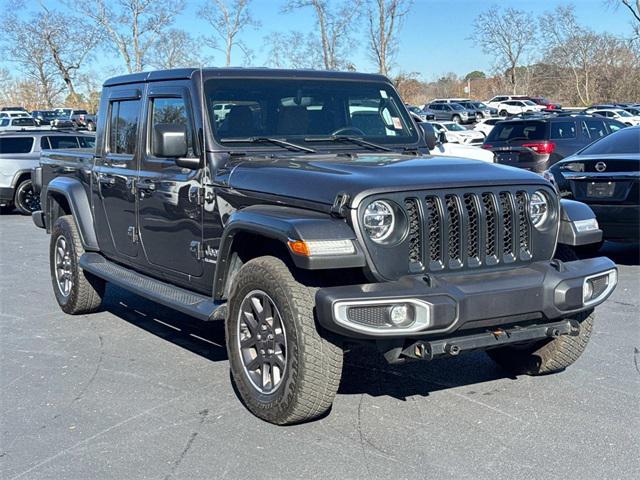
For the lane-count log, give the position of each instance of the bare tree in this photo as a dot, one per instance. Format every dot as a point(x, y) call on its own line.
point(174, 49)
point(132, 26)
point(21, 45)
point(228, 20)
point(506, 35)
point(334, 26)
point(633, 6)
point(293, 50)
point(385, 18)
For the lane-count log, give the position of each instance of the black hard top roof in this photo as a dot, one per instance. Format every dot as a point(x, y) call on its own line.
point(187, 73)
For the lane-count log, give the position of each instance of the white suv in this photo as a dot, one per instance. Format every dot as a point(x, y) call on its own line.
point(498, 99)
point(516, 107)
point(618, 114)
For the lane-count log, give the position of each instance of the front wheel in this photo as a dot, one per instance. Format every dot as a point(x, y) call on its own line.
point(503, 113)
point(26, 199)
point(456, 119)
point(285, 371)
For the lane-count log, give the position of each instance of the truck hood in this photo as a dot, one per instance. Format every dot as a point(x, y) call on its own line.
point(319, 178)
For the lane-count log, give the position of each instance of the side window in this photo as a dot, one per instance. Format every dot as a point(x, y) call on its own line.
point(123, 126)
point(596, 128)
point(44, 143)
point(614, 126)
point(63, 141)
point(561, 130)
point(172, 110)
point(87, 142)
point(16, 144)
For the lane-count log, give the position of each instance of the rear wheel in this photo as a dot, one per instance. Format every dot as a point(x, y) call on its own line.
point(503, 113)
point(76, 291)
point(26, 199)
point(285, 371)
point(456, 118)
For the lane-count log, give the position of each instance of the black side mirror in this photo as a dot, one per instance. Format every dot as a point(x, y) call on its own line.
point(442, 137)
point(169, 140)
point(429, 135)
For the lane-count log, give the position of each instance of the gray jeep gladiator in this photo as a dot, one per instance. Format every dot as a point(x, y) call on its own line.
point(308, 216)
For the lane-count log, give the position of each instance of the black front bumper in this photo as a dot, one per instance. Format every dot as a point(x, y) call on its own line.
point(543, 291)
point(6, 195)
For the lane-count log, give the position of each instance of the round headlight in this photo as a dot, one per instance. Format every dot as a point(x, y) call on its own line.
point(379, 220)
point(538, 208)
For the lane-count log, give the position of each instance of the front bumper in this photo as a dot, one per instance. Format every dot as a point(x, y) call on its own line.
point(6, 195)
point(542, 291)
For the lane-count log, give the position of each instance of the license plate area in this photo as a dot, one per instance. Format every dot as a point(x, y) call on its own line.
point(601, 189)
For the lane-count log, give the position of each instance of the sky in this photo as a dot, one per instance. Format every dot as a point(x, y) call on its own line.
point(434, 39)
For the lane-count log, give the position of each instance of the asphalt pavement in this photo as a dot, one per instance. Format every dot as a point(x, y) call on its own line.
point(138, 391)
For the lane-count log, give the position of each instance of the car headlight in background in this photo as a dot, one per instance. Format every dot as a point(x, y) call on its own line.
point(538, 208)
point(379, 220)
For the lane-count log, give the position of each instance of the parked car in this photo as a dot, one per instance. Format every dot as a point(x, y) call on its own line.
point(536, 144)
point(452, 112)
point(633, 110)
point(19, 154)
point(314, 226)
point(80, 118)
point(13, 109)
point(600, 106)
point(17, 123)
point(52, 118)
point(450, 100)
point(618, 114)
point(482, 110)
point(498, 99)
point(547, 104)
point(517, 107)
point(13, 113)
point(456, 133)
point(423, 114)
point(485, 125)
point(606, 176)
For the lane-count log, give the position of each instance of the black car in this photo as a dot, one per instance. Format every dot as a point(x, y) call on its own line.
point(606, 176)
point(537, 143)
point(51, 117)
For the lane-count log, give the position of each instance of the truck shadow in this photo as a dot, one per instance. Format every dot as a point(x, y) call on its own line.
point(365, 370)
point(621, 253)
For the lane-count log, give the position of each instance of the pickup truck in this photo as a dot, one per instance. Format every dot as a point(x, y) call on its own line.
point(79, 118)
point(309, 217)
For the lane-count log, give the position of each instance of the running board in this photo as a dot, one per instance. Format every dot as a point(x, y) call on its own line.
point(185, 301)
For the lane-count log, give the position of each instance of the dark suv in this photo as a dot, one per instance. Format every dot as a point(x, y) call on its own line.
point(537, 143)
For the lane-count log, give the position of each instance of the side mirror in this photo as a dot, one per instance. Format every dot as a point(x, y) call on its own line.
point(429, 135)
point(442, 137)
point(169, 140)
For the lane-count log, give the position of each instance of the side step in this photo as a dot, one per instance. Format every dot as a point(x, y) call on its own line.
point(190, 303)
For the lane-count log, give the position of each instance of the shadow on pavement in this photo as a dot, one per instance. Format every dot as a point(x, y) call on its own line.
point(622, 253)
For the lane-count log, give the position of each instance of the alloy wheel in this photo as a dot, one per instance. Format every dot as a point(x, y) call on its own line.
point(64, 269)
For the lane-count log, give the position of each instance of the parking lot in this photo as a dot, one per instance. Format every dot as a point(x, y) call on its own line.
point(138, 391)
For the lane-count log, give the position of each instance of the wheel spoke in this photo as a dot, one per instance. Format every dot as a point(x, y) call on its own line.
point(248, 342)
point(254, 364)
point(257, 307)
point(266, 376)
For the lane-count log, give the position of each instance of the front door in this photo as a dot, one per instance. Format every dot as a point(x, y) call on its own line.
point(169, 197)
point(114, 175)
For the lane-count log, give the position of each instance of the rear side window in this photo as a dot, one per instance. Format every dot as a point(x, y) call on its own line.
point(172, 110)
point(123, 126)
point(87, 142)
point(562, 130)
point(61, 141)
point(16, 144)
point(626, 140)
point(509, 131)
point(595, 128)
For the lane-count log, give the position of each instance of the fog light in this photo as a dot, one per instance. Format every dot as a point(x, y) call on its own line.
point(401, 315)
point(596, 287)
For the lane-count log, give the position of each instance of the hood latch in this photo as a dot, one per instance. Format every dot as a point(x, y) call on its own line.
point(340, 205)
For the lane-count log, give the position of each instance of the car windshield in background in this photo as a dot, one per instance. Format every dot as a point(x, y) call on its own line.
point(623, 113)
point(24, 122)
point(627, 140)
point(479, 105)
point(513, 131)
point(529, 102)
point(454, 127)
point(300, 110)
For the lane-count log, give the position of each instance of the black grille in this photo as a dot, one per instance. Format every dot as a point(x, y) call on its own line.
point(470, 229)
point(375, 316)
point(415, 242)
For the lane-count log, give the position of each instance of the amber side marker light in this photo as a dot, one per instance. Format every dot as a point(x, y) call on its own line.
point(322, 247)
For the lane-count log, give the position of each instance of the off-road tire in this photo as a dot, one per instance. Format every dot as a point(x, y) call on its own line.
point(87, 290)
point(547, 356)
point(25, 188)
point(313, 363)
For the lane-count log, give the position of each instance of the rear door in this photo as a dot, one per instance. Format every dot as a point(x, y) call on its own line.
point(170, 211)
point(115, 172)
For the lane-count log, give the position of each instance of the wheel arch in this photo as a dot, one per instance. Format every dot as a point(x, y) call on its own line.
point(67, 196)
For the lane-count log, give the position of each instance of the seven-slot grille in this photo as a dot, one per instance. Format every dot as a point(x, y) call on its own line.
point(450, 230)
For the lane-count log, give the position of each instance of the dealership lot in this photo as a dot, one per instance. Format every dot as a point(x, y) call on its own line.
point(139, 391)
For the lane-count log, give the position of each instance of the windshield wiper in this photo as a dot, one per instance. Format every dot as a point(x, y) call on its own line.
point(347, 138)
point(274, 141)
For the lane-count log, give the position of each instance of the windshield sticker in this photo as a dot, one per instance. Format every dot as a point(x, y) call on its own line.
point(397, 124)
point(383, 94)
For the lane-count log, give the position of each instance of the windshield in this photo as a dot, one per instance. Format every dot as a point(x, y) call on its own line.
point(480, 105)
point(23, 122)
point(529, 102)
point(623, 113)
point(454, 127)
point(298, 110)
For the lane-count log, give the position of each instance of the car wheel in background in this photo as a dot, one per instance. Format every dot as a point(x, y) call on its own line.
point(456, 118)
point(503, 113)
point(479, 116)
point(26, 200)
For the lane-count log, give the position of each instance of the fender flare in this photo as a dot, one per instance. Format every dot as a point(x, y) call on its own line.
point(572, 211)
point(282, 224)
point(80, 206)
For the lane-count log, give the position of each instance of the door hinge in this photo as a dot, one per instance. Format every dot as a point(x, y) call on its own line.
point(196, 250)
point(200, 195)
point(133, 233)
